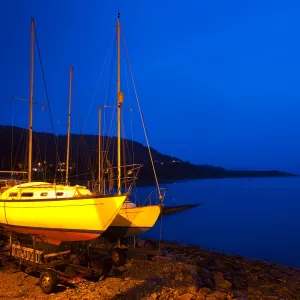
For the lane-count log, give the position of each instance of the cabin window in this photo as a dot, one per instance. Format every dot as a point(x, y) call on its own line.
point(44, 194)
point(27, 195)
point(59, 194)
point(13, 195)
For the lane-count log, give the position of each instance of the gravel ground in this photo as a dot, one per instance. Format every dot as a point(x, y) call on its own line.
point(185, 273)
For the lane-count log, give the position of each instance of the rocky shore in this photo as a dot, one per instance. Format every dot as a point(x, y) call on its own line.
point(185, 273)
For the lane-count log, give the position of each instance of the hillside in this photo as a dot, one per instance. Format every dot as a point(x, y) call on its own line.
point(84, 157)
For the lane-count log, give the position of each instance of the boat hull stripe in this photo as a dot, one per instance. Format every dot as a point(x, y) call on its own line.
point(54, 229)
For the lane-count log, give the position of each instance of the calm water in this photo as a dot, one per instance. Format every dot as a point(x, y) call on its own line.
point(257, 218)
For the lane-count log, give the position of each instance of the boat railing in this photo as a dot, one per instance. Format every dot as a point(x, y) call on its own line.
point(5, 184)
point(156, 196)
point(108, 183)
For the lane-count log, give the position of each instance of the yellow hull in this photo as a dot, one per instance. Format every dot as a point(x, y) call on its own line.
point(58, 220)
point(133, 221)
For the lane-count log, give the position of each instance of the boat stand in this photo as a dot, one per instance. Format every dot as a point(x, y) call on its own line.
point(122, 249)
point(52, 267)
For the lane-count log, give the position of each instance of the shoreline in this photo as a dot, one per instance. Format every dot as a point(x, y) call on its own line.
point(184, 272)
point(145, 183)
point(176, 244)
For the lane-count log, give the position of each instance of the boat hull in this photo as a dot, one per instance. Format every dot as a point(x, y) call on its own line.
point(133, 221)
point(55, 236)
point(59, 220)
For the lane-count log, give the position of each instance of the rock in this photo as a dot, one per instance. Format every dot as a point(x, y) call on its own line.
point(220, 295)
point(224, 284)
point(237, 294)
point(187, 296)
point(205, 291)
point(220, 282)
point(218, 276)
point(204, 273)
point(202, 262)
point(215, 277)
point(181, 290)
point(162, 259)
point(193, 288)
point(172, 257)
point(189, 261)
point(211, 297)
point(239, 282)
point(200, 297)
point(208, 283)
point(178, 276)
point(276, 273)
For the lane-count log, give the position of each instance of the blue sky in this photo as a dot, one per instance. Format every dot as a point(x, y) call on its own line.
point(218, 81)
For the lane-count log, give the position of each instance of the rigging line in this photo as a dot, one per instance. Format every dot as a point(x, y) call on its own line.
point(37, 142)
point(113, 123)
point(125, 142)
point(107, 84)
point(131, 115)
point(88, 157)
point(142, 119)
point(81, 139)
point(160, 231)
point(77, 143)
point(111, 126)
point(97, 86)
point(48, 103)
point(130, 109)
point(45, 153)
point(112, 141)
point(12, 138)
point(25, 159)
point(17, 152)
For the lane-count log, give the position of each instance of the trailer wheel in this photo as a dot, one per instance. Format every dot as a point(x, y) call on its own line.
point(9, 263)
point(5, 262)
point(97, 269)
point(118, 257)
point(48, 281)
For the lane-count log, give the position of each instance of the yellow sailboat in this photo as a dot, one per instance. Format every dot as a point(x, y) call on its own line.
point(55, 213)
point(131, 219)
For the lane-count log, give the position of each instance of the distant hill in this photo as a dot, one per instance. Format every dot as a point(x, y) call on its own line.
point(84, 157)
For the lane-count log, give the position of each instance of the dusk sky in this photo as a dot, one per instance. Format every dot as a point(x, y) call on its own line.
point(218, 81)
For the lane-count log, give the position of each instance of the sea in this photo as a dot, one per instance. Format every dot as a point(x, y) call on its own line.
point(257, 218)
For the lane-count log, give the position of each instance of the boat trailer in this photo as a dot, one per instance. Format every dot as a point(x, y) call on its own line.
point(92, 260)
point(55, 266)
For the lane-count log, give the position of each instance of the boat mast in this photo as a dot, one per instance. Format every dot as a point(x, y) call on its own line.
point(99, 149)
point(120, 101)
point(69, 125)
point(31, 102)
